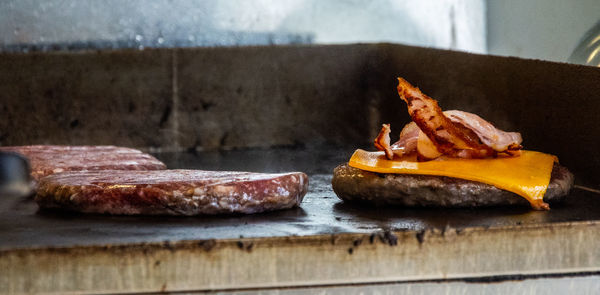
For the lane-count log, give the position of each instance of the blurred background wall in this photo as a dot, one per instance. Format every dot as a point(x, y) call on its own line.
point(454, 24)
point(541, 29)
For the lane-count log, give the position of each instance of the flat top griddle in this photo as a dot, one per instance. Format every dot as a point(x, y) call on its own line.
point(22, 225)
point(272, 96)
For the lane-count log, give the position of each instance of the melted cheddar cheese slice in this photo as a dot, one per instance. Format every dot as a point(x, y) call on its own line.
point(527, 175)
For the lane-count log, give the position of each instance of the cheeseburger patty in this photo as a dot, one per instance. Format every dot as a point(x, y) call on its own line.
point(353, 184)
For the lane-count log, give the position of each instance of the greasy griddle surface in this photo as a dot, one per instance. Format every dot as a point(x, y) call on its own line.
point(22, 225)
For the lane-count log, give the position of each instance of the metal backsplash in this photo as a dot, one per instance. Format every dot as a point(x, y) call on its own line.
point(224, 98)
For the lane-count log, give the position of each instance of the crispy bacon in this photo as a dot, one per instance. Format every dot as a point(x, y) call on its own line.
point(405, 145)
point(452, 133)
point(447, 136)
point(382, 142)
point(456, 133)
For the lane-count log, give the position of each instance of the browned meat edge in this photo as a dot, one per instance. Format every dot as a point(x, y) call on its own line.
point(224, 192)
point(48, 159)
point(352, 184)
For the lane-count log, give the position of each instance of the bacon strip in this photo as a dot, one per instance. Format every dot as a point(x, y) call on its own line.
point(452, 139)
point(405, 145)
point(408, 138)
point(452, 133)
point(489, 135)
point(382, 141)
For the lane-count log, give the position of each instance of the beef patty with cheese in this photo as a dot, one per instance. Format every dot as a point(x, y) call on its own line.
point(450, 159)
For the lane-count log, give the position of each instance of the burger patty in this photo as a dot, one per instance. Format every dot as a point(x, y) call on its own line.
point(171, 192)
point(353, 184)
point(47, 159)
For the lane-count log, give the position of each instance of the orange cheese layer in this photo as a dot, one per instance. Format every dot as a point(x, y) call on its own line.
point(527, 175)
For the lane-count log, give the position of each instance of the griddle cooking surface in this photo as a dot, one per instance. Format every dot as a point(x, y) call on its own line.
point(23, 225)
